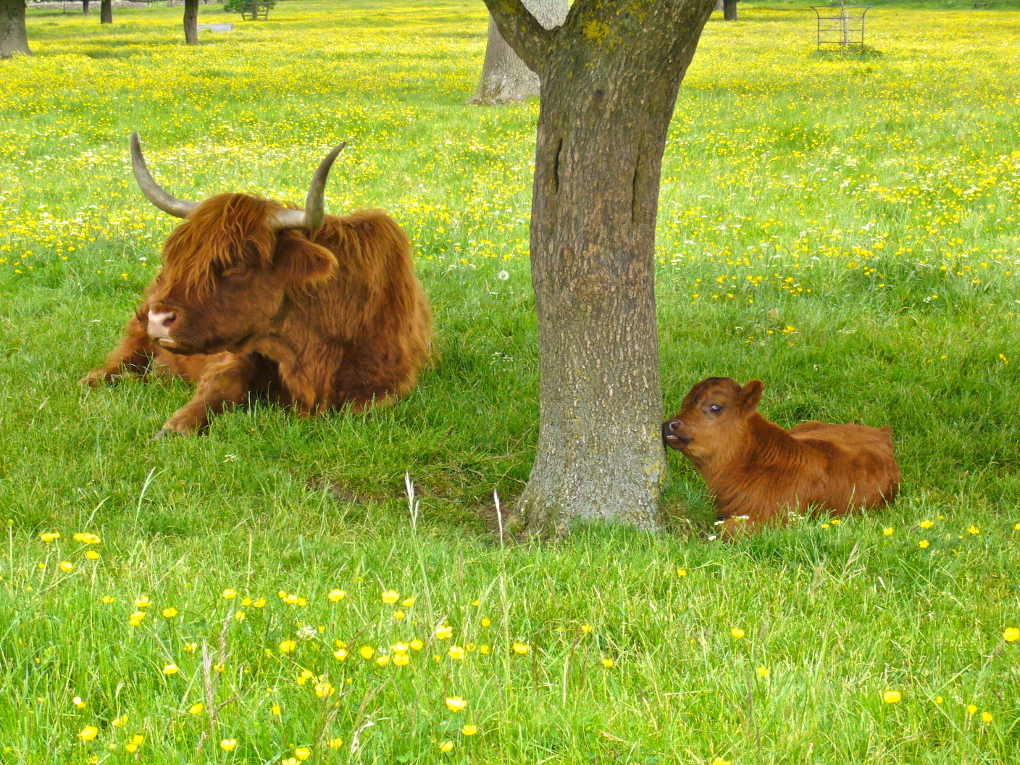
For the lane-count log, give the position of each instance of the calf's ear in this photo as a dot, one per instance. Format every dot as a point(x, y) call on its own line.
point(751, 395)
point(298, 260)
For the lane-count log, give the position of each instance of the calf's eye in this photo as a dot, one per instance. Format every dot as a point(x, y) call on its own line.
point(714, 409)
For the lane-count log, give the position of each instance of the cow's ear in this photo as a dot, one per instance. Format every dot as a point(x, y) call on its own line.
point(298, 260)
point(751, 395)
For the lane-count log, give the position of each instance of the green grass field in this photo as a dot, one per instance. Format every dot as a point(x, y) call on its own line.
point(845, 228)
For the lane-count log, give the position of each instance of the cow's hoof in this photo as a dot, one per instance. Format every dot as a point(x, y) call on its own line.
point(163, 433)
point(96, 378)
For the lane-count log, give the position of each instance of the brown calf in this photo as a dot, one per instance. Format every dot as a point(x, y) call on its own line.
point(757, 471)
point(259, 300)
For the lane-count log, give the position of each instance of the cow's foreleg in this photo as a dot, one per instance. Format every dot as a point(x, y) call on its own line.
point(226, 382)
point(133, 355)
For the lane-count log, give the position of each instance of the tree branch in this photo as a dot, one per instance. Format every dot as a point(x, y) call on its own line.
point(522, 31)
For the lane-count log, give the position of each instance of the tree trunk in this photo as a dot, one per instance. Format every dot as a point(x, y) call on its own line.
point(719, 4)
point(13, 36)
point(729, 10)
point(106, 12)
point(609, 78)
point(191, 22)
point(85, 7)
point(505, 77)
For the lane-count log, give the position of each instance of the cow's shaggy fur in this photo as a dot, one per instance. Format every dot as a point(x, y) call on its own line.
point(313, 321)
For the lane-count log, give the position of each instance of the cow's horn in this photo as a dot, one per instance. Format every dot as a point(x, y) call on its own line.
point(152, 190)
point(315, 204)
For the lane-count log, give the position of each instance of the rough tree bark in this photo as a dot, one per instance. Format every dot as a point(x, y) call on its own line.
point(191, 22)
point(13, 36)
point(505, 77)
point(609, 79)
point(729, 10)
point(85, 7)
point(106, 12)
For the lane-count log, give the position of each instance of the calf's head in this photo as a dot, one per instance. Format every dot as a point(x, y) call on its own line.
point(712, 420)
point(228, 269)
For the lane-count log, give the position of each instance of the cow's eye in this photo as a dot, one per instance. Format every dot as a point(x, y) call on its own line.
point(238, 270)
point(714, 409)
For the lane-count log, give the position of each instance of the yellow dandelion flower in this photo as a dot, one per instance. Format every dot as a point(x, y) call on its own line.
point(170, 669)
point(408, 602)
point(86, 538)
point(335, 743)
point(456, 703)
point(469, 729)
point(142, 601)
point(926, 524)
point(399, 647)
point(401, 660)
point(108, 599)
point(398, 615)
point(260, 603)
point(521, 648)
point(302, 753)
point(484, 649)
point(120, 722)
point(92, 555)
point(228, 744)
point(324, 690)
point(681, 572)
point(288, 646)
point(367, 652)
point(608, 663)
point(169, 613)
point(446, 746)
point(66, 566)
point(923, 544)
point(240, 616)
point(737, 633)
point(190, 647)
point(986, 717)
point(444, 632)
point(341, 654)
point(389, 597)
point(456, 652)
point(196, 709)
point(486, 622)
point(416, 644)
point(972, 529)
point(88, 733)
point(229, 593)
point(888, 531)
point(275, 710)
point(336, 595)
point(47, 537)
point(891, 697)
point(721, 761)
point(972, 709)
point(1011, 634)
point(382, 660)
point(586, 628)
point(763, 672)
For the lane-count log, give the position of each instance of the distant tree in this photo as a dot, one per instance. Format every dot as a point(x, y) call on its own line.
point(191, 22)
point(85, 7)
point(505, 77)
point(13, 35)
point(729, 10)
point(106, 12)
point(609, 78)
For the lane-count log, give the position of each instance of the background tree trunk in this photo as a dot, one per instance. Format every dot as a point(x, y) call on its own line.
point(719, 4)
point(609, 76)
point(106, 12)
point(191, 22)
point(13, 36)
point(505, 77)
point(729, 10)
point(85, 7)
